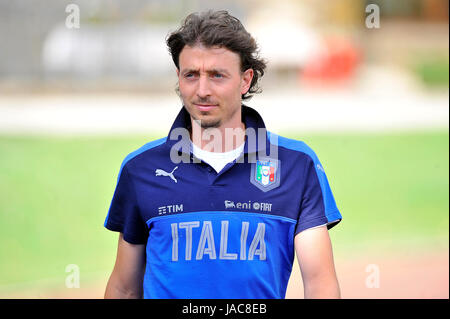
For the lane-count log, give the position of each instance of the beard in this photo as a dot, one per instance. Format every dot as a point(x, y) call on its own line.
point(206, 119)
point(211, 123)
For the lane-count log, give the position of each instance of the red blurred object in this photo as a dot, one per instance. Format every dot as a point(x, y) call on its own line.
point(334, 64)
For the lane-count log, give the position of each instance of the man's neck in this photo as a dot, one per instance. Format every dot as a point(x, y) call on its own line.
point(218, 139)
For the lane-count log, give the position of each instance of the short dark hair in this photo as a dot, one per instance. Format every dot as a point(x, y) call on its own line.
point(219, 29)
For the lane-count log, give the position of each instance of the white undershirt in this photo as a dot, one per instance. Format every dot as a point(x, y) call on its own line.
point(217, 160)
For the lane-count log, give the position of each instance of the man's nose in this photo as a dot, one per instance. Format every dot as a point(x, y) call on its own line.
point(203, 89)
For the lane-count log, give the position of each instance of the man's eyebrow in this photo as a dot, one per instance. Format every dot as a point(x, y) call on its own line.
point(189, 70)
point(211, 71)
point(215, 71)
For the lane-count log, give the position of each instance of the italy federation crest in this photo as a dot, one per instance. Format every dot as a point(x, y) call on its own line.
point(265, 174)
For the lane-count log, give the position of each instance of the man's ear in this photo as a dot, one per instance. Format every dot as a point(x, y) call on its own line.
point(178, 72)
point(247, 78)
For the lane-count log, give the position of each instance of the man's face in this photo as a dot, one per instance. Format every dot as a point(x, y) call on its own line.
point(211, 84)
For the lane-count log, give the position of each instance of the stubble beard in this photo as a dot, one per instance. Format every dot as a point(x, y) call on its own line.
point(201, 118)
point(206, 124)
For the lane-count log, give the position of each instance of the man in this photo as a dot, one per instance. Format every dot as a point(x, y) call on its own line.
point(219, 212)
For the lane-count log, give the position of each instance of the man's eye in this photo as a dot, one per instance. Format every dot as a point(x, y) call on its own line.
point(218, 75)
point(190, 75)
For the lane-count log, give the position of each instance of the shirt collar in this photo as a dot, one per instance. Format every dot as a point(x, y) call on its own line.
point(254, 124)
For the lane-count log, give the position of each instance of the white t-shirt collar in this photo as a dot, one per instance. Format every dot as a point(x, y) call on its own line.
point(215, 159)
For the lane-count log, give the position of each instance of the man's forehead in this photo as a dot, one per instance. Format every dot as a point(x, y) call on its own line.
point(199, 56)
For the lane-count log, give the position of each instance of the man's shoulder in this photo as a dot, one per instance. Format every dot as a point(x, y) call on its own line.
point(292, 145)
point(142, 151)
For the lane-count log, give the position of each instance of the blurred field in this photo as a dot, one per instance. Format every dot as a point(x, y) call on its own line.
point(392, 190)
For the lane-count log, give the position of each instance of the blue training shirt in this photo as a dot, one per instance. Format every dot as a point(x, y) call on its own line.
point(220, 235)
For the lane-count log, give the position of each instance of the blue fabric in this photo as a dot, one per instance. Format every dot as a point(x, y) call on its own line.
point(220, 235)
point(315, 176)
point(219, 254)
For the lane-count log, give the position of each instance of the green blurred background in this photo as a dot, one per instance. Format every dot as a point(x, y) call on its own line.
point(386, 153)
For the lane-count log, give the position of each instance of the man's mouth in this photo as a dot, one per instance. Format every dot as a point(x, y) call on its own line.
point(205, 107)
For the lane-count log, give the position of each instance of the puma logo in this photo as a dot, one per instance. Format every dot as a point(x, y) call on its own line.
point(161, 172)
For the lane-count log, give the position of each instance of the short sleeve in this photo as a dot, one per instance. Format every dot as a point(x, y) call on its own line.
point(318, 206)
point(124, 215)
